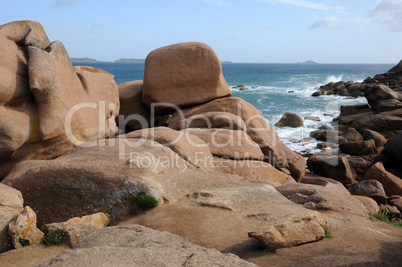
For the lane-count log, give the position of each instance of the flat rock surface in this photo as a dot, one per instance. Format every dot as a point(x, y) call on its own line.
point(356, 239)
point(30, 256)
point(135, 245)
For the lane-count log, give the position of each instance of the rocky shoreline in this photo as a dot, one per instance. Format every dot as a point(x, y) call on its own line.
point(77, 151)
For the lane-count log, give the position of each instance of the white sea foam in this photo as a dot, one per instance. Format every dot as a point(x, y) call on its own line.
point(333, 79)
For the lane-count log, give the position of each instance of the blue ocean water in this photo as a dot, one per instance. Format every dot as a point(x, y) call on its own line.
point(269, 86)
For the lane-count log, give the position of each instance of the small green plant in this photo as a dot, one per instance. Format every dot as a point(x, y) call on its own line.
point(146, 202)
point(54, 238)
point(383, 217)
point(328, 234)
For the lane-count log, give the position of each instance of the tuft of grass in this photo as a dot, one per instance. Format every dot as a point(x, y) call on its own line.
point(146, 202)
point(54, 238)
point(383, 217)
point(328, 234)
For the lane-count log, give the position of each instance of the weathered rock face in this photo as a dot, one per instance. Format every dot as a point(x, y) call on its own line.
point(322, 194)
point(9, 197)
point(293, 230)
point(184, 75)
point(47, 106)
point(297, 163)
point(387, 123)
point(391, 183)
point(23, 229)
point(396, 201)
point(391, 211)
point(76, 228)
point(228, 143)
point(378, 138)
point(337, 168)
point(237, 198)
point(383, 114)
point(378, 93)
point(352, 135)
point(356, 148)
point(290, 120)
point(11, 204)
point(210, 120)
point(257, 128)
point(106, 177)
point(135, 245)
point(359, 165)
point(99, 219)
point(253, 170)
point(369, 188)
point(369, 203)
point(133, 113)
point(329, 135)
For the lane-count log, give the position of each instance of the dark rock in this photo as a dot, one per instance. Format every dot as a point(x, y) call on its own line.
point(396, 201)
point(337, 168)
point(290, 120)
point(377, 93)
point(352, 135)
point(369, 188)
point(390, 211)
point(359, 165)
point(391, 183)
point(354, 148)
point(355, 109)
point(325, 135)
point(378, 138)
point(318, 93)
point(393, 148)
point(312, 118)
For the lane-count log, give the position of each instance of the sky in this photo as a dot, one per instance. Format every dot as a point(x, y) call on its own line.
point(249, 31)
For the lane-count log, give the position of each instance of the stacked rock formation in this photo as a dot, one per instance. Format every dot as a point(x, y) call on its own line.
point(48, 106)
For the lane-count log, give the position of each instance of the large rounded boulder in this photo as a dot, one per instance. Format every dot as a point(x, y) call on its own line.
point(183, 75)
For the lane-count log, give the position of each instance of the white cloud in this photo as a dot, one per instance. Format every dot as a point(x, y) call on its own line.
point(388, 13)
point(310, 5)
point(325, 22)
point(217, 2)
point(60, 3)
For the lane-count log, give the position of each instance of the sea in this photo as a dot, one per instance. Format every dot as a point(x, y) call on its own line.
point(278, 88)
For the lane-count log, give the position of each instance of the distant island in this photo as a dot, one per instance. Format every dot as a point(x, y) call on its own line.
point(129, 60)
point(308, 62)
point(120, 60)
point(83, 60)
